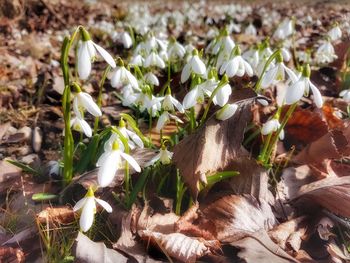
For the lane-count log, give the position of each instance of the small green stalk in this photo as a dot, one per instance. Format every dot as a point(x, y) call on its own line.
point(180, 191)
point(268, 62)
point(99, 98)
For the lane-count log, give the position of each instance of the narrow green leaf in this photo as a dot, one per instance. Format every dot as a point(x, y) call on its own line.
point(25, 168)
point(44, 197)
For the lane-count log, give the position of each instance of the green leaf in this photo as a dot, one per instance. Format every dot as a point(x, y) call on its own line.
point(44, 197)
point(88, 155)
point(25, 168)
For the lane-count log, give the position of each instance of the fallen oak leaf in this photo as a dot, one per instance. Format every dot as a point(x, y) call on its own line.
point(180, 246)
point(195, 155)
point(332, 193)
point(235, 217)
point(88, 251)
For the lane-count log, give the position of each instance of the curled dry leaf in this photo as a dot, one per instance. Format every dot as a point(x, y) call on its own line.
point(338, 254)
point(56, 215)
point(235, 217)
point(288, 235)
point(213, 147)
point(88, 251)
point(333, 145)
point(305, 126)
point(258, 247)
point(180, 246)
point(332, 193)
point(324, 228)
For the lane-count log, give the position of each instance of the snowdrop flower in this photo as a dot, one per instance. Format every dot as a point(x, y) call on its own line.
point(87, 52)
point(195, 65)
point(137, 60)
point(152, 79)
point(226, 112)
point(277, 73)
point(301, 87)
point(83, 100)
point(121, 77)
point(169, 102)
point(335, 33)
point(126, 40)
point(345, 94)
point(224, 44)
point(272, 126)
point(88, 209)
point(154, 59)
point(175, 50)
point(110, 161)
point(252, 57)
point(250, 30)
point(236, 66)
point(196, 95)
point(286, 54)
point(81, 125)
point(325, 53)
point(164, 156)
point(284, 30)
point(154, 43)
point(164, 118)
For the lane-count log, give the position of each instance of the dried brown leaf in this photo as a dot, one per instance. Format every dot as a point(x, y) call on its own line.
point(180, 246)
point(235, 217)
point(9, 254)
point(258, 247)
point(56, 215)
point(87, 251)
point(213, 147)
point(332, 193)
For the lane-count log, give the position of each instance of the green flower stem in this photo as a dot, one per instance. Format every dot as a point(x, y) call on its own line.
point(126, 172)
point(262, 156)
point(66, 106)
point(223, 83)
point(180, 191)
point(276, 135)
point(99, 98)
point(268, 62)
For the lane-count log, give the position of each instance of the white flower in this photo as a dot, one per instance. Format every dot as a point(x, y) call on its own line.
point(132, 138)
point(81, 125)
point(154, 59)
point(87, 52)
point(164, 156)
point(236, 66)
point(226, 112)
point(137, 60)
point(222, 95)
point(88, 207)
point(126, 39)
point(301, 87)
point(325, 53)
point(121, 77)
point(276, 74)
point(272, 126)
point(83, 100)
point(335, 33)
point(284, 30)
point(164, 118)
point(286, 54)
point(176, 50)
point(196, 94)
point(345, 94)
point(224, 44)
point(194, 64)
point(149, 102)
point(152, 79)
point(250, 30)
point(252, 57)
point(110, 161)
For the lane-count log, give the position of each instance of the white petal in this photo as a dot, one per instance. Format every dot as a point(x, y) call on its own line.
point(174, 117)
point(191, 98)
point(186, 72)
point(153, 160)
point(131, 161)
point(135, 138)
point(76, 107)
point(132, 80)
point(177, 104)
point(295, 92)
point(162, 120)
point(79, 204)
point(232, 67)
point(269, 77)
point(159, 62)
point(223, 95)
point(281, 135)
point(198, 66)
point(227, 112)
point(84, 61)
point(87, 214)
point(116, 78)
point(106, 56)
point(104, 204)
point(317, 95)
point(85, 127)
point(89, 104)
point(108, 168)
point(248, 68)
